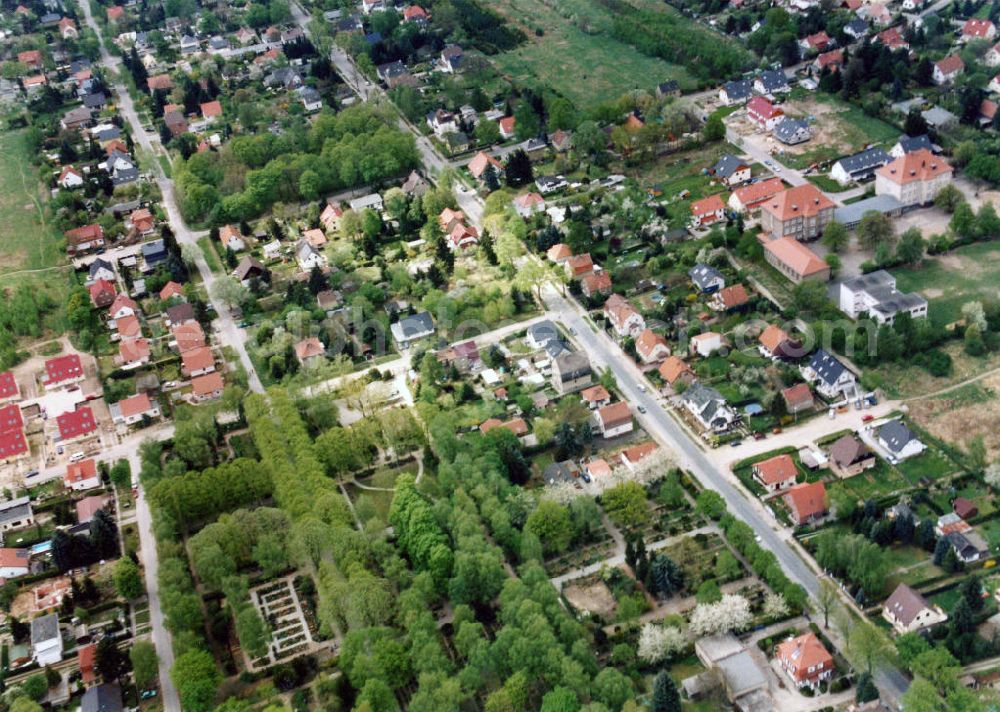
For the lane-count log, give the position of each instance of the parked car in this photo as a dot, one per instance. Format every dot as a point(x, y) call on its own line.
point(867, 418)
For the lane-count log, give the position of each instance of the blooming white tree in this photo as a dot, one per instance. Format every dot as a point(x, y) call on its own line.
point(775, 606)
point(732, 613)
point(659, 642)
point(992, 475)
point(974, 315)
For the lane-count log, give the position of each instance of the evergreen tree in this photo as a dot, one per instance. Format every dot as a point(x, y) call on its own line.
point(104, 535)
point(665, 695)
point(865, 690)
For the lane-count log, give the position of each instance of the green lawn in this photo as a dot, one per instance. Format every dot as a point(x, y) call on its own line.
point(965, 274)
point(824, 182)
point(211, 256)
point(29, 241)
point(876, 482)
point(931, 465)
point(587, 69)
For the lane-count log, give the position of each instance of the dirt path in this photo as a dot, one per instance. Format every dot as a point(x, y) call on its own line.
point(954, 386)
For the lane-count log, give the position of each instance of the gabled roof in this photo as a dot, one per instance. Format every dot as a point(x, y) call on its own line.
point(905, 604)
point(804, 200)
point(895, 435)
point(197, 359)
point(647, 341)
point(727, 166)
point(707, 206)
point(81, 471)
point(807, 500)
point(950, 64)
point(614, 414)
point(826, 366)
point(864, 160)
point(761, 190)
point(734, 296)
point(915, 143)
point(849, 450)
point(919, 165)
point(135, 405)
point(738, 89)
point(805, 653)
point(673, 368)
point(8, 385)
point(797, 395)
point(309, 348)
point(975, 27)
point(772, 338)
point(796, 256)
point(776, 469)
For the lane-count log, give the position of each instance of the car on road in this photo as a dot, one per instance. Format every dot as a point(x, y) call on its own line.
point(641, 408)
point(868, 418)
point(759, 436)
point(77, 456)
point(735, 443)
point(33, 473)
point(642, 388)
point(572, 330)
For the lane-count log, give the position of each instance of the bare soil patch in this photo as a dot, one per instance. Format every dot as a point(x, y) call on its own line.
point(964, 414)
point(594, 598)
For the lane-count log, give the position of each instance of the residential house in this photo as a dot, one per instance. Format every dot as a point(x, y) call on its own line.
point(133, 353)
point(674, 370)
point(197, 361)
point(412, 328)
point(614, 419)
point(833, 60)
point(805, 660)
point(310, 98)
point(308, 257)
point(172, 290)
point(62, 371)
point(798, 398)
point(330, 217)
point(528, 204)
point(632, 456)
point(231, 238)
point(948, 69)
point(153, 253)
point(733, 298)
point(571, 372)
point(86, 657)
point(806, 502)
point(518, 426)
point(596, 284)
point(860, 166)
point(909, 144)
point(70, 178)
point(441, 121)
point(541, 333)
point(595, 396)
point(211, 110)
point(550, 184)
point(178, 314)
point(559, 253)
point(84, 239)
point(796, 261)
point(310, 352)
point(969, 546)
point(483, 161)
point(248, 269)
point(992, 57)
point(14, 563)
point(134, 409)
point(579, 265)
point(9, 390)
point(830, 376)
point(451, 58)
point(736, 92)
point(706, 344)
point(706, 278)
point(893, 39)
point(915, 178)
point(764, 113)
point(849, 456)
point(46, 640)
point(624, 318)
point(669, 88)
point(792, 131)
point(802, 213)
point(817, 42)
point(748, 199)
point(856, 28)
point(878, 13)
point(106, 697)
point(875, 294)
point(709, 407)
point(141, 221)
point(16, 514)
point(83, 475)
point(707, 211)
point(102, 293)
point(965, 508)
point(730, 170)
point(207, 387)
point(775, 473)
point(899, 441)
point(771, 81)
point(506, 125)
point(774, 343)
point(976, 29)
point(908, 612)
point(651, 347)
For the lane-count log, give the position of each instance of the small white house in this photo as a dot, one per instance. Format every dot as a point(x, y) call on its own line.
point(46, 640)
point(899, 441)
point(706, 344)
point(614, 419)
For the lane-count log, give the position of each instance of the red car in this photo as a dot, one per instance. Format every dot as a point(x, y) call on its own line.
point(868, 418)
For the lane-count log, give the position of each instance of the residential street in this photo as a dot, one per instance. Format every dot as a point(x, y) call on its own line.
point(232, 335)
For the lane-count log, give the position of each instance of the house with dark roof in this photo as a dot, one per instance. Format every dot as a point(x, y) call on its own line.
point(849, 456)
point(709, 408)
point(706, 278)
point(899, 441)
point(907, 611)
point(730, 170)
point(969, 546)
point(46, 640)
point(771, 81)
point(571, 372)
point(856, 28)
point(875, 294)
point(412, 328)
point(860, 166)
point(792, 131)
point(736, 92)
point(909, 144)
point(102, 698)
point(830, 376)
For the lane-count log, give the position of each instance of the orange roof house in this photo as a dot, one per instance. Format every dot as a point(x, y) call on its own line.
point(86, 657)
point(188, 336)
point(477, 166)
point(579, 265)
point(805, 660)
point(674, 369)
point(315, 237)
point(733, 297)
point(160, 81)
point(170, 290)
point(197, 361)
point(31, 57)
point(750, 197)
point(795, 260)
point(115, 13)
point(651, 347)
point(921, 165)
point(211, 109)
point(708, 210)
point(208, 386)
point(309, 349)
point(775, 473)
point(559, 252)
point(806, 502)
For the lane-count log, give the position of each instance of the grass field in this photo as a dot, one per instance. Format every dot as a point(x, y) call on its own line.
point(839, 129)
point(949, 281)
point(28, 243)
point(587, 69)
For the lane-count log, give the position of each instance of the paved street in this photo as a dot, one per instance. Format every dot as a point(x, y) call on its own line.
point(231, 333)
point(759, 153)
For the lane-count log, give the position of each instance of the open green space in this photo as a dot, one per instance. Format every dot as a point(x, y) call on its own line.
point(587, 69)
point(967, 273)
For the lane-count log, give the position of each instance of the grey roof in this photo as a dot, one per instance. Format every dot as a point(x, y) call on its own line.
point(968, 545)
point(701, 395)
point(865, 161)
point(938, 117)
point(856, 27)
point(848, 450)
point(704, 275)
point(390, 70)
point(102, 698)
point(560, 472)
point(773, 80)
point(895, 435)
point(15, 509)
point(554, 348)
point(788, 130)
point(852, 213)
point(909, 144)
point(247, 266)
point(77, 115)
point(95, 100)
point(905, 604)
point(881, 287)
point(99, 264)
point(180, 313)
point(572, 365)
point(45, 628)
point(416, 324)
point(668, 87)
point(826, 366)
point(155, 250)
point(107, 134)
point(742, 674)
point(543, 332)
point(726, 166)
point(309, 95)
point(740, 89)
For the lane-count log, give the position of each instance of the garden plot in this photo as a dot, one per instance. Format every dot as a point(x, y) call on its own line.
point(278, 604)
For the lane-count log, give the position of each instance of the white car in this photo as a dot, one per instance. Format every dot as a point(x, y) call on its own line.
point(77, 456)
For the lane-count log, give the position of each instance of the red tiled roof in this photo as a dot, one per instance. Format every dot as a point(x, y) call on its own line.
point(734, 296)
point(76, 422)
point(14, 558)
point(80, 471)
point(950, 64)
point(797, 395)
point(805, 657)
point(63, 368)
point(776, 469)
point(10, 417)
point(977, 28)
point(707, 206)
point(197, 359)
point(211, 109)
point(12, 444)
point(615, 414)
point(207, 384)
point(803, 200)
point(917, 166)
point(135, 405)
point(757, 192)
point(8, 385)
point(806, 500)
point(796, 256)
point(673, 368)
point(133, 350)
